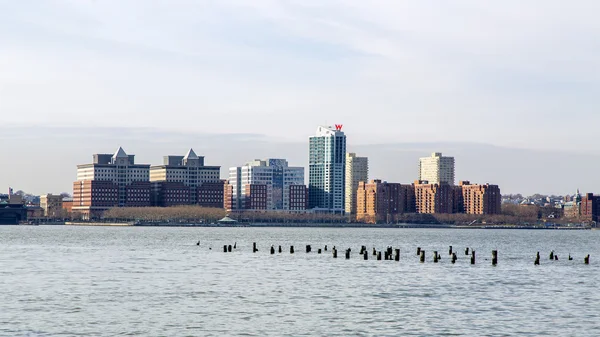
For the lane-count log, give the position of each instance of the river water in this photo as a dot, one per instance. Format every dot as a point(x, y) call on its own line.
point(134, 281)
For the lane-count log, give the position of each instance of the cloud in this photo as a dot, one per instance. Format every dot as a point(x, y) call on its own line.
point(505, 73)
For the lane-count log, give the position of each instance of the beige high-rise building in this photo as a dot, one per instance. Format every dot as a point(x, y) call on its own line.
point(437, 169)
point(357, 170)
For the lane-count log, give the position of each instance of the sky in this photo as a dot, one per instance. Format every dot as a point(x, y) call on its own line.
point(505, 74)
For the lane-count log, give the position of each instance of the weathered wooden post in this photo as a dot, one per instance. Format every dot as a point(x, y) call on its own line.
point(291, 249)
point(366, 255)
point(494, 257)
point(418, 250)
point(348, 254)
point(422, 256)
point(272, 250)
point(467, 251)
point(570, 257)
point(229, 248)
point(325, 247)
point(435, 257)
point(254, 249)
point(374, 251)
point(586, 259)
point(235, 245)
point(453, 257)
point(450, 251)
point(551, 255)
point(555, 257)
point(225, 249)
point(319, 251)
point(280, 249)
point(537, 259)
point(335, 253)
point(397, 257)
point(198, 243)
point(378, 256)
point(308, 248)
point(473, 256)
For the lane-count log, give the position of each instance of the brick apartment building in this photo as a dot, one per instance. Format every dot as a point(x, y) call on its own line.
point(379, 201)
point(480, 199)
point(434, 198)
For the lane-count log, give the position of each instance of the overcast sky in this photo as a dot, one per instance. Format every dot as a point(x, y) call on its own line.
point(517, 74)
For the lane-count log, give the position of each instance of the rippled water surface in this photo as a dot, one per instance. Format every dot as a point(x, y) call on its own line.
point(99, 281)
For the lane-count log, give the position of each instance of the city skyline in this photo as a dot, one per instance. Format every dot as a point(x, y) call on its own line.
point(536, 172)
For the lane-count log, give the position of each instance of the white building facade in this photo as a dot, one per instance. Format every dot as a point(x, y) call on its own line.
point(437, 169)
point(357, 170)
point(274, 173)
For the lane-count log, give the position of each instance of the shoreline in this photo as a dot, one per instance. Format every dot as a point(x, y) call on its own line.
point(309, 225)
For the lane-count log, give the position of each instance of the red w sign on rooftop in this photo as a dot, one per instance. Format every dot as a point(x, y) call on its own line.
point(338, 127)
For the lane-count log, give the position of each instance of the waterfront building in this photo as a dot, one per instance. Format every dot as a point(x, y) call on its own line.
point(480, 199)
point(275, 174)
point(437, 169)
point(434, 198)
point(110, 181)
point(590, 207)
point(327, 169)
point(357, 170)
point(185, 180)
point(378, 201)
point(256, 196)
point(52, 205)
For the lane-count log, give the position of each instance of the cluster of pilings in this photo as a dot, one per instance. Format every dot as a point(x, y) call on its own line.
point(391, 253)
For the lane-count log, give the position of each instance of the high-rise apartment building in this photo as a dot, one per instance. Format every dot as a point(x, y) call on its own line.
point(275, 174)
point(378, 201)
point(437, 169)
point(357, 170)
point(480, 199)
point(110, 181)
point(185, 180)
point(327, 169)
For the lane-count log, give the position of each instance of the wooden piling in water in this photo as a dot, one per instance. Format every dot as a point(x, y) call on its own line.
point(325, 247)
point(335, 253)
point(467, 251)
point(280, 249)
point(378, 256)
point(435, 257)
point(254, 249)
point(374, 251)
point(586, 259)
point(422, 256)
point(418, 250)
point(319, 251)
point(235, 245)
point(551, 255)
point(291, 249)
point(366, 255)
point(308, 248)
point(537, 259)
point(225, 249)
point(272, 250)
point(229, 248)
point(348, 254)
point(453, 257)
point(494, 257)
point(450, 251)
point(386, 255)
point(472, 256)
point(555, 257)
point(397, 257)
point(570, 257)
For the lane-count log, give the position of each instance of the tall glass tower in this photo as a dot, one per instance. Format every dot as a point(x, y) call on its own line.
point(327, 163)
